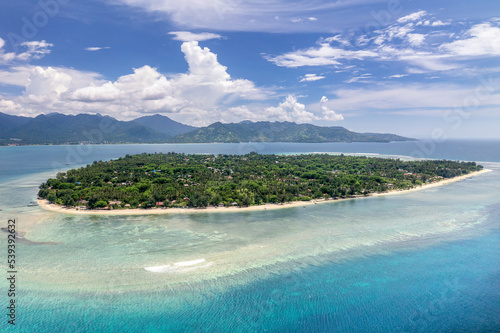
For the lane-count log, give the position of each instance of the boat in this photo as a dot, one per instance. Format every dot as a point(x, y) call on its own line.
point(32, 203)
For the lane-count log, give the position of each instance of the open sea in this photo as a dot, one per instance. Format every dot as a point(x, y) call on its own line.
point(423, 261)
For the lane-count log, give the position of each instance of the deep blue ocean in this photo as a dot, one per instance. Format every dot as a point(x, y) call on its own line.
point(426, 261)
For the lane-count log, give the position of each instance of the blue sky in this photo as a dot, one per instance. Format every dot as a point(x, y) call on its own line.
point(415, 68)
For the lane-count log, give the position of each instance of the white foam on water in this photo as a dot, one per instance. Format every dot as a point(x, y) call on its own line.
point(181, 266)
point(190, 263)
point(158, 269)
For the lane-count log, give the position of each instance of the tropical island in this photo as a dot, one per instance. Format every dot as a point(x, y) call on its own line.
point(175, 180)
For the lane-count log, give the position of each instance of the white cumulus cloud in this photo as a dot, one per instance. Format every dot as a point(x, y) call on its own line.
point(9, 106)
point(329, 114)
point(205, 92)
point(290, 110)
point(47, 81)
point(104, 93)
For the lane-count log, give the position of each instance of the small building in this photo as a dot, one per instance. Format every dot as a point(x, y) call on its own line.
point(221, 204)
point(159, 203)
point(234, 203)
point(186, 199)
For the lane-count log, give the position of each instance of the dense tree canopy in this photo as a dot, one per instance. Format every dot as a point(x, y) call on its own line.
point(180, 180)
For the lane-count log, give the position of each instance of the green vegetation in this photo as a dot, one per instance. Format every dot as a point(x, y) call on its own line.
point(265, 131)
point(179, 180)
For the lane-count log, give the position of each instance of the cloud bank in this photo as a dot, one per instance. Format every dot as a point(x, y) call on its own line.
point(411, 41)
point(204, 94)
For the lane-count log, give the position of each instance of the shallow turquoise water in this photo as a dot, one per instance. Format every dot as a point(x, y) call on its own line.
point(425, 261)
point(412, 291)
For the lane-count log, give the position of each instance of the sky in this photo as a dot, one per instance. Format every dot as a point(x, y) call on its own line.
point(425, 69)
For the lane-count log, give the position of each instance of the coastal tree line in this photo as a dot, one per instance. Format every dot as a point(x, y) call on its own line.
point(180, 180)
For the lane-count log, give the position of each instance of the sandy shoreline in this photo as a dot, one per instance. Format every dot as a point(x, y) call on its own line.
point(56, 208)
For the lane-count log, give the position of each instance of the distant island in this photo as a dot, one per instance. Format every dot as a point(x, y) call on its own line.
point(175, 180)
point(56, 128)
point(265, 131)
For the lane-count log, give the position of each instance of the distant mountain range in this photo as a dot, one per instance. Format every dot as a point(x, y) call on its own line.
point(265, 131)
point(164, 125)
point(56, 128)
